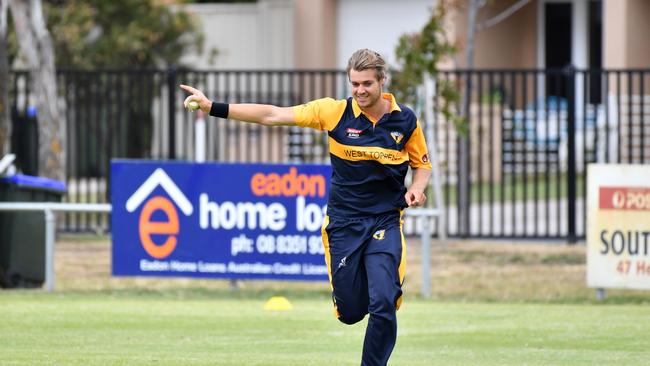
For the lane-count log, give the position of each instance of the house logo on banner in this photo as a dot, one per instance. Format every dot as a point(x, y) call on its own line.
point(147, 227)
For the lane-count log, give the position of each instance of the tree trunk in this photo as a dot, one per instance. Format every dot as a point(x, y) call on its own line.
point(36, 45)
point(464, 174)
point(5, 117)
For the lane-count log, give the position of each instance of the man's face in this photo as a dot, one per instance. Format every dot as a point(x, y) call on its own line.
point(366, 89)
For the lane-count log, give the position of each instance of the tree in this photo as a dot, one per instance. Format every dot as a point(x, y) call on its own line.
point(5, 121)
point(464, 148)
point(36, 45)
point(118, 34)
point(419, 55)
point(473, 27)
point(90, 34)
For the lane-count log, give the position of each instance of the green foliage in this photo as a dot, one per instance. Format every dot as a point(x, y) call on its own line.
point(418, 55)
point(450, 98)
point(91, 34)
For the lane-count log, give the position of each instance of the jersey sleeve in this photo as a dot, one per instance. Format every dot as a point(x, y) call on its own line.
point(416, 147)
point(321, 114)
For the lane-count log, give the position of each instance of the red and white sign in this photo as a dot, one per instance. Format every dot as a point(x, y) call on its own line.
point(618, 226)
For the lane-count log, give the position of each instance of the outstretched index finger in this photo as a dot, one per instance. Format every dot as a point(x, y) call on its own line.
point(189, 89)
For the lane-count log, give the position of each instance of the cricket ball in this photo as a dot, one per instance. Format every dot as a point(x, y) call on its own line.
point(193, 105)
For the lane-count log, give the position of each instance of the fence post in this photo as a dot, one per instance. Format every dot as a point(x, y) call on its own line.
point(464, 170)
point(426, 255)
point(171, 89)
point(50, 229)
point(570, 75)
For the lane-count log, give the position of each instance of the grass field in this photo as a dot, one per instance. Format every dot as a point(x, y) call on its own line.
point(492, 304)
point(147, 328)
point(519, 188)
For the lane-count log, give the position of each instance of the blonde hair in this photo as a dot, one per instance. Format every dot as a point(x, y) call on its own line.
point(365, 59)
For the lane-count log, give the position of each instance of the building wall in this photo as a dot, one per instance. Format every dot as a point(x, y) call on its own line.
point(626, 26)
point(377, 24)
point(638, 29)
point(303, 34)
point(321, 34)
point(246, 36)
point(315, 34)
point(614, 33)
point(511, 43)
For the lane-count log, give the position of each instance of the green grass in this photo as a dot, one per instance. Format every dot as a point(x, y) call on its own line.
point(212, 328)
point(518, 189)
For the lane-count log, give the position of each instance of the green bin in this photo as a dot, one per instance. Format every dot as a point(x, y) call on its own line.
point(22, 233)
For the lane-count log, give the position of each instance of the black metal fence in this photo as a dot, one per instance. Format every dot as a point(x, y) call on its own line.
point(518, 173)
point(531, 135)
point(139, 114)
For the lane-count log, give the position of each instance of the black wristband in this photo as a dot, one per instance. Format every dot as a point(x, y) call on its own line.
point(219, 110)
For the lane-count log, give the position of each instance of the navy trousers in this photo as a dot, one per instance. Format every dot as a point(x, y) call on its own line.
point(366, 260)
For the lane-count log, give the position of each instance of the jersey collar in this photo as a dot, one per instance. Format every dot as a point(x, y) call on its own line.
point(393, 104)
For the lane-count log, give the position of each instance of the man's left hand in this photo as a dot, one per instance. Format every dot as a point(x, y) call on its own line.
point(415, 198)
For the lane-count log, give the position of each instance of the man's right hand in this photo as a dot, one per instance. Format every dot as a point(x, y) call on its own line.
point(197, 96)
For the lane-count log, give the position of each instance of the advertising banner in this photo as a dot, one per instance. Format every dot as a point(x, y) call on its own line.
point(618, 226)
point(238, 221)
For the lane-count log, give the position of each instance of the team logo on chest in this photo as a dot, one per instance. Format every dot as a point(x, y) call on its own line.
point(353, 133)
point(397, 136)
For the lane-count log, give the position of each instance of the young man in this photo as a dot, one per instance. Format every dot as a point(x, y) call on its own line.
point(372, 142)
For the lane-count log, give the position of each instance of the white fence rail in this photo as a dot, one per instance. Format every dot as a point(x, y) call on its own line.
point(50, 209)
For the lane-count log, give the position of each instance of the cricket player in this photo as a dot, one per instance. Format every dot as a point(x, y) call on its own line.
point(372, 142)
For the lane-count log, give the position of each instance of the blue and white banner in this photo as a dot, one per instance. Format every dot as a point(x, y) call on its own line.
point(240, 221)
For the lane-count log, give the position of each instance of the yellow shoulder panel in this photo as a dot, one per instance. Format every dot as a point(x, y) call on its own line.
point(416, 147)
point(322, 114)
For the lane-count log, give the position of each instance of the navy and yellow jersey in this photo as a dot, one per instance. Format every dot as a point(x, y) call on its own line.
point(369, 158)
